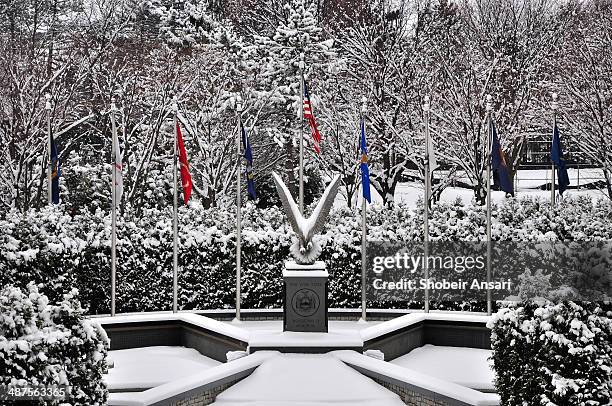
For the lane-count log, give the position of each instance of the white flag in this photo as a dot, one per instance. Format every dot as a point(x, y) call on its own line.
point(433, 163)
point(117, 167)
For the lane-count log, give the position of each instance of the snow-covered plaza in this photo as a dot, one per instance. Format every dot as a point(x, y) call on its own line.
point(306, 202)
point(305, 368)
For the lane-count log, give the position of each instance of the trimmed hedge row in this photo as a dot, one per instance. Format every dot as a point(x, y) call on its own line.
point(63, 251)
point(552, 355)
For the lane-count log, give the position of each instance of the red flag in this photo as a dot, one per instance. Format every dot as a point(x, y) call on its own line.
point(185, 176)
point(314, 130)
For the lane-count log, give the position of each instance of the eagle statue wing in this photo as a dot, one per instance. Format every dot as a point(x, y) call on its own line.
point(291, 210)
point(320, 213)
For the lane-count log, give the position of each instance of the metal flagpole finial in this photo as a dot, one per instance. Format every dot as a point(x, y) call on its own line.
point(175, 104)
point(426, 105)
point(555, 104)
point(113, 103)
point(48, 101)
point(239, 104)
point(302, 64)
point(364, 105)
point(489, 103)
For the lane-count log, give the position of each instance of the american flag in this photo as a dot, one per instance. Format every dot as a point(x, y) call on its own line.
point(316, 135)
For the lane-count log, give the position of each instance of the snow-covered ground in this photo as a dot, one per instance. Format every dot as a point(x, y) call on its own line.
point(305, 380)
point(534, 178)
point(147, 367)
point(528, 183)
point(269, 333)
point(288, 379)
point(468, 367)
point(537, 178)
point(338, 326)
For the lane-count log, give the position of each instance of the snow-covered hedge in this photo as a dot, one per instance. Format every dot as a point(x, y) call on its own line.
point(65, 250)
point(44, 345)
point(552, 355)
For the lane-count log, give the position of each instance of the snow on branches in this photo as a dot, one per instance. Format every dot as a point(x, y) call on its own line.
point(45, 344)
point(552, 355)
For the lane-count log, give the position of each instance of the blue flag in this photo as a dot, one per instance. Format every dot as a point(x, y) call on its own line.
point(556, 155)
point(501, 173)
point(56, 172)
point(365, 172)
point(248, 156)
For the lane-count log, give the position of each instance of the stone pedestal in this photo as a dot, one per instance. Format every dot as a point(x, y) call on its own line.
point(305, 297)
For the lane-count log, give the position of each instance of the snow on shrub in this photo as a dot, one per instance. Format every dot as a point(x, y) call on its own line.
point(45, 345)
point(62, 251)
point(552, 355)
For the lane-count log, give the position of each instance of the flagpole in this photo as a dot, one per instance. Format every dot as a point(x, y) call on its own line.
point(175, 215)
point(363, 227)
point(301, 197)
point(238, 208)
point(50, 166)
point(488, 160)
point(552, 187)
point(114, 209)
point(426, 107)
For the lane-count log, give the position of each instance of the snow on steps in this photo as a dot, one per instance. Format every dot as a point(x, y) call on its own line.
point(284, 339)
point(306, 380)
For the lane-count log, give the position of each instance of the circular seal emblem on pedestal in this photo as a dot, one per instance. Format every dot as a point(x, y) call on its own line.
point(305, 302)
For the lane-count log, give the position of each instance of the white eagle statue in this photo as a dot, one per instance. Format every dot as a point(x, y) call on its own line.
point(305, 250)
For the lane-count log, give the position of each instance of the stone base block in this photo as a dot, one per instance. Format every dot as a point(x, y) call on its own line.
point(305, 297)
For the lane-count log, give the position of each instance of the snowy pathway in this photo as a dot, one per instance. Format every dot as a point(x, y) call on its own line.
point(306, 380)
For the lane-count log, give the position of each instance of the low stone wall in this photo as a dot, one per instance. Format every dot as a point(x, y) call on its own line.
point(442, 333)
point(411, 397)
point(410, 394)
point(172, 333)
point(205, 396)
point(457, 334)
point(394, 344)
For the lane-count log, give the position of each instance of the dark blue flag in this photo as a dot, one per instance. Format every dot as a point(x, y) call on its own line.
point(56, 172)
point(248, 156)
point(556, 155)
point(365, 172)
point(501, 173)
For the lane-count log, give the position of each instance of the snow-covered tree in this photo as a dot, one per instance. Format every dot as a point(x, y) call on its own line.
point(278, 75)
point(379, 54)
point(339, 116)
point(48, 48)
point(492, 48)
point(207, 52)
point(585, 85)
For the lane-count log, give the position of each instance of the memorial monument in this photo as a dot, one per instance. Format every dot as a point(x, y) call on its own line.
point(305, 279)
